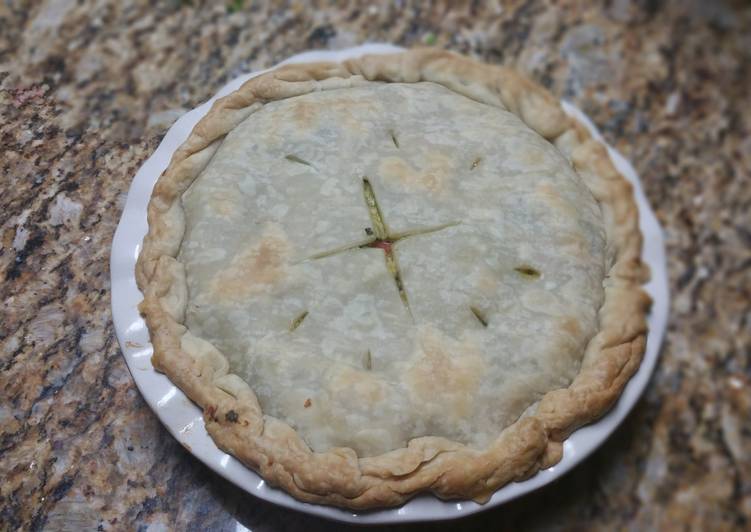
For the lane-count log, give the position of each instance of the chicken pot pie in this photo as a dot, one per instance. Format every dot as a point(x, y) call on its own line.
point(402, 273)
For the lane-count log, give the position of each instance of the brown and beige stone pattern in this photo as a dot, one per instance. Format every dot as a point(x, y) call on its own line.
point(87, 89)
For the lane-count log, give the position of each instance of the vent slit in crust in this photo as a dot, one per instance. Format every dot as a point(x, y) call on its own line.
point(368, 360)
point(480, 315)
point(528, 271)
point(298, 321)
point(376, 217)
point(295, 159)
point(394, 139)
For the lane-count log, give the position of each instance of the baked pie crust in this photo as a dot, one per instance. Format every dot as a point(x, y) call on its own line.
point(453, 288)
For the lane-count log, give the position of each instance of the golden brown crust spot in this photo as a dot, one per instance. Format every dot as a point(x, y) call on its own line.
point(224, 204)
point(433, 178)
point(571, 326)
point(304, 113)
point(444, 374)
point(552, 198)
point(257, 269)
point(360, 386)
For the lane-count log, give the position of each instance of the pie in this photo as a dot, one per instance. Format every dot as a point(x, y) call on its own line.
point(400, 273)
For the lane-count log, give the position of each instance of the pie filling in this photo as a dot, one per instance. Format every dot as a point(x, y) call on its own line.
point(393, 261)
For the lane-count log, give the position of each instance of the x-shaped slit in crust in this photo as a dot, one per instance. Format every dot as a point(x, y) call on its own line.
point(382, 238)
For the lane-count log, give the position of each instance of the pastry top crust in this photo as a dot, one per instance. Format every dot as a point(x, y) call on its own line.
point(442, 465)
point(485, 287)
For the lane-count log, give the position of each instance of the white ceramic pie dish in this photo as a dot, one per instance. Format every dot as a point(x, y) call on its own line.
point(184, 420)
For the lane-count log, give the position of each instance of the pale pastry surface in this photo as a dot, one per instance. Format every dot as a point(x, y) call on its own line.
point(363, 369)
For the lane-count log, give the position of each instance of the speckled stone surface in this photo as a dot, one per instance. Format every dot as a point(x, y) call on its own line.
point(87, 89)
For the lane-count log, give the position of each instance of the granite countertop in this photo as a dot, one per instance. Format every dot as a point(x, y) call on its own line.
point(87, 89)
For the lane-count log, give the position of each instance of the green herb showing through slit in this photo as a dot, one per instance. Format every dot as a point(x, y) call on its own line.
point(298, 321)
point(528, 271)
point(296, 159)
point(480, 316)
point(394, 139)
point(376, 217)
point(421, 231)
point(393, 269)
point(380, 237)
point(367, 361)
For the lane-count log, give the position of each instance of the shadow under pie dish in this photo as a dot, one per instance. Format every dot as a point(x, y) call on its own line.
point(400, 273)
